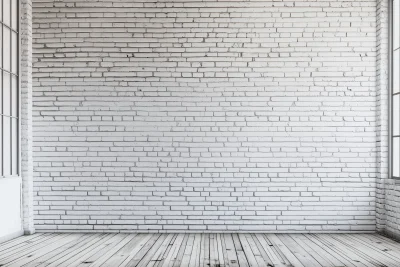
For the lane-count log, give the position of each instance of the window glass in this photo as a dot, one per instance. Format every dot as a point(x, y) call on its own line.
point(14, 96)
point(6, 93)
point(396, 18)
point(14, 15)
point(396, 71)
point(6, 48)
point(9, 86)
point(396, 115)
point(6, 146)
point(396, 157)
point(14, 52)
point(6, 12)
point(14, 146)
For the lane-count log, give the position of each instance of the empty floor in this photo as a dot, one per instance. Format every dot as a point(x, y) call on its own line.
point(299, 250)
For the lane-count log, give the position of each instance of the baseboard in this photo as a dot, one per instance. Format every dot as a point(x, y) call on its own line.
point(11, 236)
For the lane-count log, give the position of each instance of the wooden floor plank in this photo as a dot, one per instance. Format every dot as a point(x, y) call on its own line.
point(230, 251)
point(317, 254)
point(120, 256)
point(195, 255)
point(112, 251)
point(213, 250)
point(201, 250)
point(143, 254)
point(251, 259)
point(328, 252)
point(173, 252)
point(155, 257)
point(57, 253)
point(327, 240)
point(222, 256)
point(99, 251)
point(277, 243)
point(21, 241)
point(239, 251)
point(17, 249)
point(46, 248)
point(20, 253)
point(365, 252)
point(181, 251)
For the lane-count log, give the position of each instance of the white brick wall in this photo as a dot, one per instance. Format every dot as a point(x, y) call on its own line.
point(204, 115)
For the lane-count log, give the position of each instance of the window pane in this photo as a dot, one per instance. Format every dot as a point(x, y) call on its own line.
point(6, 146)
point(1, 145)
point(1, 47)
point(6, 93)
point(14, 51)
point(14, 15)
point(14, 146)
point(396, 71)
point(396, 156)
point(396, 115)
point(6, 11)
point(6, 48)
point(1, 85)
point(396, 12)
point(14, 96)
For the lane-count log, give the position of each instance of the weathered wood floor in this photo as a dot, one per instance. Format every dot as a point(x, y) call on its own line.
point(208, 250)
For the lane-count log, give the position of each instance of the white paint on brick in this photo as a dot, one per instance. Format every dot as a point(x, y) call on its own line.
point(204, 115)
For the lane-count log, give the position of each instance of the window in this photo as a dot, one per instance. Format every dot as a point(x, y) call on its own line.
point(9, 81)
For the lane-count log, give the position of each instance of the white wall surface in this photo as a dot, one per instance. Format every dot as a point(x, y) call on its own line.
point(204, 115)
point(10, 208)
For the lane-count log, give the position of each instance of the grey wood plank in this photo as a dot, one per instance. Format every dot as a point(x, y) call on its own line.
point(270, 257)
point(213, 250)
point(230, 250)
point(299, 252)
point(142, 256)
point(46, 259)
point(333, 244)
point(323, 260)
point(112, 251)
point(239, 251)
point(195, 255)
point(21, 241)
point(173, 252)
point(251, 259)
point(25, 246)
point(69, 255)
point(256, 251)
point(119, 257)
point(181, 251)
point(99, 251)
point(149, 256)
point(377, 247)
point(9, 257)
point(363, 251)
point(385, 243)
point(222, 257)
point(273, 238)
point(331, 255)
point(155, 257)
point(167, 251)
point(206, 257)
point(48, 247)
point(143, 239)
point(81, 256)
point(188, 250)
